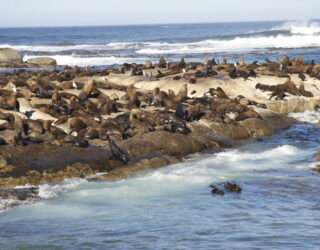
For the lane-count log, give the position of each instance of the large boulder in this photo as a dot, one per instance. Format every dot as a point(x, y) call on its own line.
point(8, 55)
point(275, 120)
point(165, 143)
point(256, 127)
point(231, 131)
point(42, 62)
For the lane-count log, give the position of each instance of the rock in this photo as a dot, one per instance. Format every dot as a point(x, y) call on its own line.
point(138, 164)
point(232, 187)
point(256, 127)
point(275, 120)
point(318, 124)
point(42, 61)
point(166, 143)
point(162, 63)
point(21, 194)
point(228, 186)
point(148, 65)
point(44, 163)
point(8, 55)
point(216, 190)
point(65, 44)
point(231, 131)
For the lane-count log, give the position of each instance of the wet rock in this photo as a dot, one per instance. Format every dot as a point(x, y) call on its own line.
point(221, 188)
point(44, 163)
point(232, 187)
point(42, 62)
point(140, 163)
point(21, 194)
point(216, 191)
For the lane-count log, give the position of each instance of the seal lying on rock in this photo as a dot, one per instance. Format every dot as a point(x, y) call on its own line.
point(279, 90)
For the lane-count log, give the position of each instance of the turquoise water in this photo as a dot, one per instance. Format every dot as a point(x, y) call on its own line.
point(172, 207)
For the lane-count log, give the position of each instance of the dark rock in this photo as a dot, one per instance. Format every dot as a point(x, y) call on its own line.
point(228, 187)
point(232, 187)
point(216, 190)
point(20, 193)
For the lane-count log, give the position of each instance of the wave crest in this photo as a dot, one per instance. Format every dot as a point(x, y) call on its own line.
point(306, 27)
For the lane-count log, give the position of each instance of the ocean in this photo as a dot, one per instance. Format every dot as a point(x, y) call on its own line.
point(172, 207)
point(109, 45)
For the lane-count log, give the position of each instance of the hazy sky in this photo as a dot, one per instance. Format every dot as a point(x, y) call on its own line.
point(110, 12)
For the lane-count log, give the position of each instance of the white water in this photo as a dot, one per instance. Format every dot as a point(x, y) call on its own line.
point(301, 34)
point(305, 27)
point(90, 61)
point(172, 207)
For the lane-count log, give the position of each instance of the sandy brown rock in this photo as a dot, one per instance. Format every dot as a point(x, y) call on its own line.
point(8, 55)
point(42, 62)
point(166, 143)
point(256, 127)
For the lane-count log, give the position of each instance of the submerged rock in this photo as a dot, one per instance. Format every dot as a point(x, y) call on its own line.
point(232, 187)
point(229, 187)
point(216, 190)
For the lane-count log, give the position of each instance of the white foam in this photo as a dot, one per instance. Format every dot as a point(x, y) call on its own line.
point(238, 44)
point(5, 204)
point(307, 116)
point(230, 165)
point(305, 27)
point(90, 61)
point(47, 191)
point(53, 48)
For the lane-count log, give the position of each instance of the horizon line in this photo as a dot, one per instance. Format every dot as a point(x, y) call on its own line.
point(154, 24)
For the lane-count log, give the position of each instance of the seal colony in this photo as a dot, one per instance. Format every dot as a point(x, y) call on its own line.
point(78, 122)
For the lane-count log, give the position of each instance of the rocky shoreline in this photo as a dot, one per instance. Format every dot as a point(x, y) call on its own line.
point(78, 122)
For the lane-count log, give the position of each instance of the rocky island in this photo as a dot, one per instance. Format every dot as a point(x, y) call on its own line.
point(76, 122)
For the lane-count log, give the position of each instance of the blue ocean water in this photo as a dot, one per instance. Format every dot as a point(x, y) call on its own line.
point(172, 207)
point(108, 45)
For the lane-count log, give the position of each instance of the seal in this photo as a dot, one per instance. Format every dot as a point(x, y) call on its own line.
point(118, 153)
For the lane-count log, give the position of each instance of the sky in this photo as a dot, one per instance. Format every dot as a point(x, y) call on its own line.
point(33, 13)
